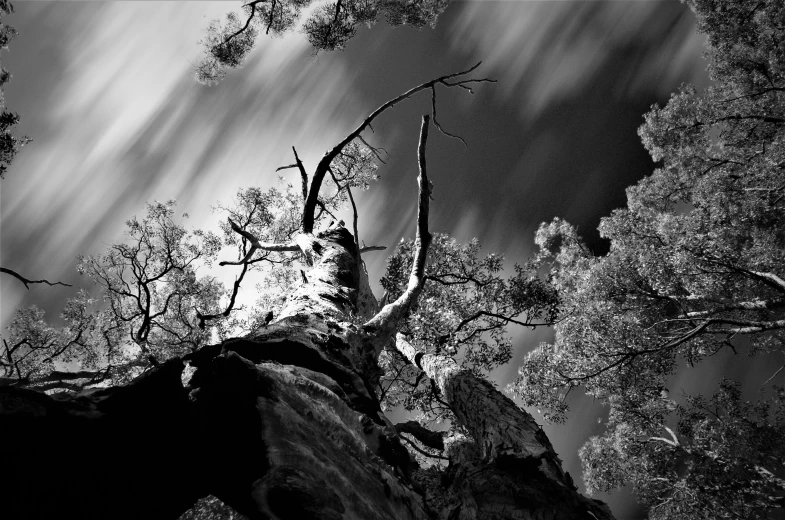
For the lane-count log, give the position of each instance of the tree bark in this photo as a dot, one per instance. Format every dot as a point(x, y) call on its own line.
point(280, 425)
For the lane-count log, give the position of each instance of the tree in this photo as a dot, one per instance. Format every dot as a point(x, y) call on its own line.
point(329, 27)
point(694, 270)
point(285, 421)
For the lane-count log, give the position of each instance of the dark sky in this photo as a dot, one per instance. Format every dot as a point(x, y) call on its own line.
point(106, 92)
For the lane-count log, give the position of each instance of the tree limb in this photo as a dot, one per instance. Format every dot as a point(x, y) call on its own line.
point(303, 174)
point(430, 438)
point(384, 324)
point(25, 281)
point(256, 245)
point(366, 249)
point(327, 159)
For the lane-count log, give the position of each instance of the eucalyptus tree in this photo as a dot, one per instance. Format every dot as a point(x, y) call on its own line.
point(285, 419)
point(694, 270)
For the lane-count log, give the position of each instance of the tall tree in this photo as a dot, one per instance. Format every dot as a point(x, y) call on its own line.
point(694, 270)
point(285, 420)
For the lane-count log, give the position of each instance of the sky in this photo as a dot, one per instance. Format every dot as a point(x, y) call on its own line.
point(106, 91)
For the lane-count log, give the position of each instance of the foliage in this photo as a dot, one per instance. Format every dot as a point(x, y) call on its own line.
point(328, 27)
point(693, 270)
point(462, 312)
point(719, 444)
point(36, 353)
point(211, 508)
point(9, 144)
point(150, 282)
point(155, 306)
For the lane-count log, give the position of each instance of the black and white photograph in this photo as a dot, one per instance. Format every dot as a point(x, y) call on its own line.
point(392, 260)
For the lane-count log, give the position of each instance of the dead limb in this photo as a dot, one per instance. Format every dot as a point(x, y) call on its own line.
point(26, 281)
point(324, 164)
point(384, 325)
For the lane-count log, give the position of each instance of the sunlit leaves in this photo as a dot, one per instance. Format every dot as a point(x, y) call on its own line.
point(151, 285)
point(694, 269)
point(89, 338)
point(711, 466)
point(356, 165)
point(463, 311)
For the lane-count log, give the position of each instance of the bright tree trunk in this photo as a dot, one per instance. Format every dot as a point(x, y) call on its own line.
point(280, 425)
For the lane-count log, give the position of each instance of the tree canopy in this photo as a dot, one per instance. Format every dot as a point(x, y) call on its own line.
point(328, 26)
point(694, 270)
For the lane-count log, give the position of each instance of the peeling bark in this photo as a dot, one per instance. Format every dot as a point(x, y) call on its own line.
point(508, 468)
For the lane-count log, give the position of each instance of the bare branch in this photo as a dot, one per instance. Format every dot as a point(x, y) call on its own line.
point(436, 122)
point(506, 319)
point(25, 281)
point(324, 163)
point(385, 322)
point(366, 249)
point(303, 174)
point(235, 289)
point(256, 245)
point(354, 207)
point(773, 376)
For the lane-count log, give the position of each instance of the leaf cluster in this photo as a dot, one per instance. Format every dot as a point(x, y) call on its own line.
point(9, 143)
point(694, 270)
point(329, 26)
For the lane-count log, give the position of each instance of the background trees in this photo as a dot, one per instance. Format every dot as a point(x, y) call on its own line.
point(694, 270)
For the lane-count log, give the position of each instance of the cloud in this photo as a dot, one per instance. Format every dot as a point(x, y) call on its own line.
point(124, 122)
point(553, 50)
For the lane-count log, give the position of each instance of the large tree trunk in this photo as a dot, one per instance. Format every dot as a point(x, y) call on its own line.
point(280, 425)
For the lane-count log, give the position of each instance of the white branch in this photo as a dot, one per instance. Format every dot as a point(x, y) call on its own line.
point(771, 277)
point(324, 163)
point(385, 323)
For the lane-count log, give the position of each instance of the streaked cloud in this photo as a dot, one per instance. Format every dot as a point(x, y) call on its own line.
point(124, 122)
point(550, 50)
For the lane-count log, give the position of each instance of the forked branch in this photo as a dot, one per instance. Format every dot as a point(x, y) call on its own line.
point(256, 245)
point(324, 164)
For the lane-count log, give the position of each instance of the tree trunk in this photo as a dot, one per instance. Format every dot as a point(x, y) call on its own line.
point(283, 424)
